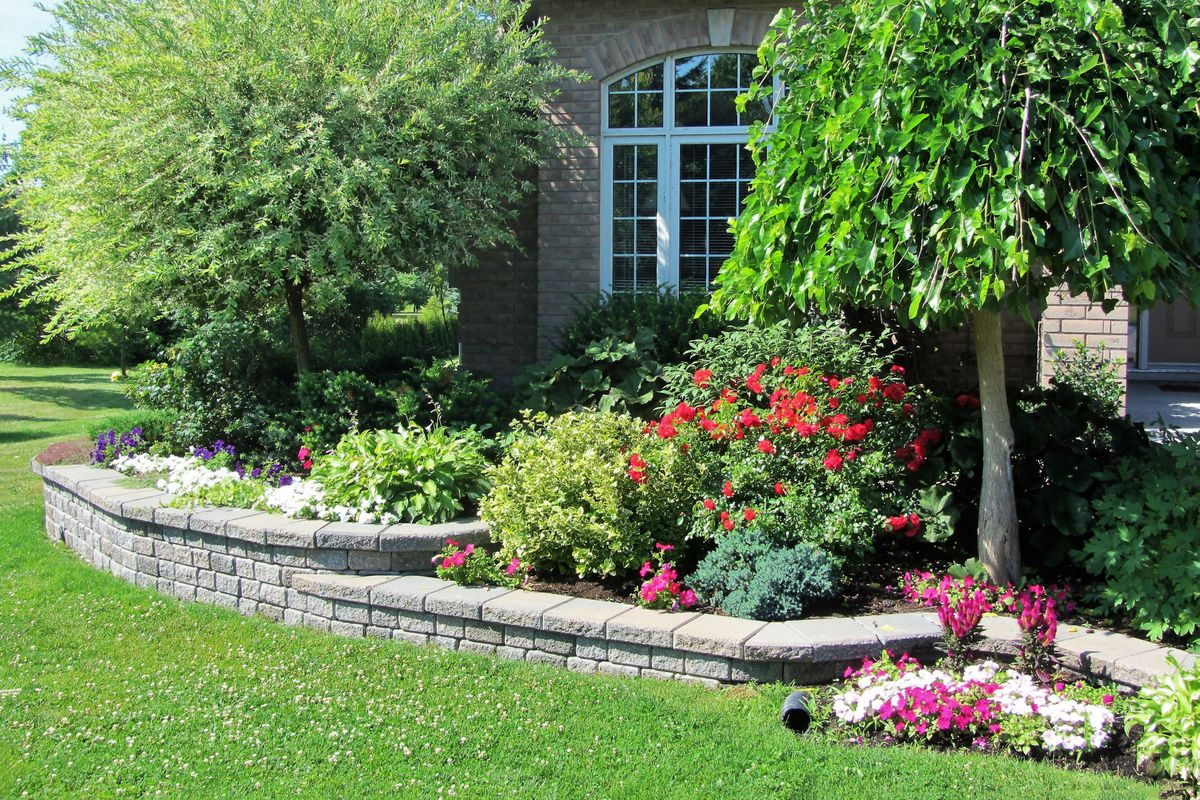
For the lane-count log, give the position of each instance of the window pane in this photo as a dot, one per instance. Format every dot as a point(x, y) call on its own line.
point(647, 199)
point(650, 79)
point(720, 240)
point(722, 200)
point(725, 71)
point(756, 111)
point(649, 110)
point(693, 199)
point(647, 236)
point(693, 161)
point(647, 162)
point(622, 274)
point(692, 73)
point(691, 109)
point(748, 63)
point(723, 161)
point(623, 200)
point(693, 273)
point(693, 236)
point(622, 163)
point(620, 110)
point(722, 109)
point(623, 241)
point(745, 164)
point(647, 274)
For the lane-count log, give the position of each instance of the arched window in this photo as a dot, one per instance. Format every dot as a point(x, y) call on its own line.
point(674, 170)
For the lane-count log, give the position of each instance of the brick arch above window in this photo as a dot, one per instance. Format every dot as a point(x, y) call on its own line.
point(658, 38)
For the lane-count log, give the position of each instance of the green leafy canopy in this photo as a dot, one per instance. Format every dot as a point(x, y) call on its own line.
point(947, 156)
point(214, 151)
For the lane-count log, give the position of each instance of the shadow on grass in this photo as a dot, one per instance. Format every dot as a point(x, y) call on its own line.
point(79, 399)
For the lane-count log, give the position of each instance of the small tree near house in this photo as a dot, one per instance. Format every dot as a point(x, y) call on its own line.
point(954, 159)
point(263, 154)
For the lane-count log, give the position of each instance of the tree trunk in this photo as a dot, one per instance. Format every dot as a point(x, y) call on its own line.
point(298, 325)
point(999, 548)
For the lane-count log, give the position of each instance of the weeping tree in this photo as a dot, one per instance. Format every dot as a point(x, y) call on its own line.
point(952, 160)
point(259, 154)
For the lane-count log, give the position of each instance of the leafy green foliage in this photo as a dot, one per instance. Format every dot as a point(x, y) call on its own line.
point(422, 476)
point(1168, 713)
point(1065, 443)
point(612, 354)
point(1145, 536)
point(334, 403)
point(216, 155)
point(563, 501)
point(1093, 373)
point(749, 575)
point(228, 493)
point(825, 346)
point(944, 156)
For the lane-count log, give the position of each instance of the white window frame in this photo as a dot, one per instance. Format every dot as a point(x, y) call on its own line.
point(669, 140)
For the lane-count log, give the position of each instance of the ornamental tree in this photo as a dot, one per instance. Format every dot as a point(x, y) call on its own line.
point(953, 159)
point(258, 154)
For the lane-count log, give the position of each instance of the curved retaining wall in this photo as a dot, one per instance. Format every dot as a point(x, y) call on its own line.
point(372, 580)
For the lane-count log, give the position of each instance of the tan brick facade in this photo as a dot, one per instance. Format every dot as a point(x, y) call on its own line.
point(1069, 319)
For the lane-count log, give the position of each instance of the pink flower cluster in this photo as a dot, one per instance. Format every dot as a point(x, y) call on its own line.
point(927, 588)
point(983, 706)
point(662, 587)
point(961, 611)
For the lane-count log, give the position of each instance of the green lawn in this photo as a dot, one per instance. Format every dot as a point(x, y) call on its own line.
point(124, 693)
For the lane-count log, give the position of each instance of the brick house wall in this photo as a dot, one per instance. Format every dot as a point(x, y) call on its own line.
point(1069, 319)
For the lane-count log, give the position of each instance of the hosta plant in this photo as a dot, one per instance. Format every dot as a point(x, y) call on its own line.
point(1169, 716)
point(417, 475)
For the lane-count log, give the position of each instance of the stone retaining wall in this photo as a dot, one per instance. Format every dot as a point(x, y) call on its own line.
point(231, 557)
point(360, 580)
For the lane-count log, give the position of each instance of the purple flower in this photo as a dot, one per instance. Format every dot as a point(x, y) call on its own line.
point(285, 480)
point(256, 472)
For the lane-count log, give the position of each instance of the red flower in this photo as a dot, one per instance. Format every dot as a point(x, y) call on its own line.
point(895, 392)
point(303, 453)
point(765, 446)
point(898, 523)
point(727, 524)
point(665, 429)
point(775, 361)
point(967, 401)
point(780, 489)
point(896, 368)
point(748, 515)
point(834, 402)
point(875, 384)
point(727, 489)
point(802, 370)
point(637, 468)
point(908, 409)
point(754, 380)
point(701, 377)
point(710, 504)
point(833, 461)
point(749, 419)
point(307, 464)
point(834, 383)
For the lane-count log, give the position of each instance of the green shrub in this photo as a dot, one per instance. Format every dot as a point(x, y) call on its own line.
point(335, 403)
point(749, 575)
point(1091, 373)
point(1145, 537)
point(563, 499)
point(393, 345)
point(1168, 713)
point(1065, 445)
point(453, 396)
point(417, 475)
point(228, 493)
point(825, 346)
point(611, 355)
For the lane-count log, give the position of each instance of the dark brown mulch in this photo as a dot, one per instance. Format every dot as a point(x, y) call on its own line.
point(73, 451)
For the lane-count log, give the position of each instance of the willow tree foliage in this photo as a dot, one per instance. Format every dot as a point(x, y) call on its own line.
point(253, 154)
point(952, 159)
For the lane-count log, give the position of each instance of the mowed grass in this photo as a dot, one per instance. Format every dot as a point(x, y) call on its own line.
point(124, 693)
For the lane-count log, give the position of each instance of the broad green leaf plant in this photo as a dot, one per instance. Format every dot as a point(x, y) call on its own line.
point(953, 159)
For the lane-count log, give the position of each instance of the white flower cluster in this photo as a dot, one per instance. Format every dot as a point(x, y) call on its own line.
point(306, 498)
point(184, 474)
point(301, 498)
point(1071, 725)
